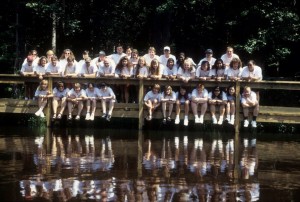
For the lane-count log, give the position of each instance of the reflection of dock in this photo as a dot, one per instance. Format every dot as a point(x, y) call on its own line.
point(274, 114)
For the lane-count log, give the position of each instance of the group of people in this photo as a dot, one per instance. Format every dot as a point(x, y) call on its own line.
point(129, 64)
point(200, 100)
point(77, 96)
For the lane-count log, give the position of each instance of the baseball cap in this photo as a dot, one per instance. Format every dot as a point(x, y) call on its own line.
point(209, 51)
point(102, 53)
point(167, 48)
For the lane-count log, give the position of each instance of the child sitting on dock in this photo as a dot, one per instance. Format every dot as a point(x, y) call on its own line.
point(91, 101)
point(59, 99)
point(183, 98)
point(76, 96)
point(152, 100)
point(168, 97)
point(217, 98)
point(249, 100)
point(199, 97)
point(42, 94)
point(230, 108)
point(106, 95)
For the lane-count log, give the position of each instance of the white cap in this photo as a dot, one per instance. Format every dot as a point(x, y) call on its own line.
point(167, 48)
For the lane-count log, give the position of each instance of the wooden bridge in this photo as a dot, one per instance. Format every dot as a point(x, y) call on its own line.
point(274, 114)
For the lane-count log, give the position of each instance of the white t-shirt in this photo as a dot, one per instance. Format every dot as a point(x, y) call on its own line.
point(40, 69)
point(234, 72)
point(202, 73)
point(182, 73)
point(106, 92)
point(93, 93)
point(211, 61)
point(53, 69)
point(182, 99)
point(172, 96)
point(167, 71)
point(227, 60)
point(252, 97)
point(203, 94)
point(69, 69)
point(88, 70)
point(224, 96)
point(27, 68)
point(116, 57)
point(60, 94)
point(149, 59)
point(151, 96)
point(106, 70)
point(163, 59)
point(39, 92)
point(217, 73)
point(256, 72)
point(144, 71)
point(72, 93)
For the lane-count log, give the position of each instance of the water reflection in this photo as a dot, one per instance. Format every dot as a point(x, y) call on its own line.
point(78, 166)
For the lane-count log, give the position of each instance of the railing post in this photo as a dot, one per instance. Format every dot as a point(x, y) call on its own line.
point(141, 104)
point(48, 108)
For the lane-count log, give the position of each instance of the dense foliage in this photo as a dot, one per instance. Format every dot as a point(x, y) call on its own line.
point(264, 30)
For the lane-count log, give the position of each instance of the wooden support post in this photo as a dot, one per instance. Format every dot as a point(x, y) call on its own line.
point(237, 126)
point(140, 154)
point(49, 104)
point(141, 104)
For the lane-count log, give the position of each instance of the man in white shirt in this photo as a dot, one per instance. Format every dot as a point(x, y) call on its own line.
point(118, 55)
point(251, 72)
point(163, 59)
point(208, 57)
point(228, 56)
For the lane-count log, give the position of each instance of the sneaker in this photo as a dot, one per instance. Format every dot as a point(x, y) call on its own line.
point(177, 120)
point(186, 122)
point(87, 116)
point(246, 123)
point(59, 116)
point(197, 120)
point(54, 116)
point(70, 117)
point(253, 124)
point(108, 117)
point(92, 117)
point(42, 115)
point(38, 113)
point(227, 118)
point(164, 121)
point(231, 121)
point(214, 120)
point(169, 119)
point(77, 117)
point(201, 119)
point(104, 115)
point(220, 122)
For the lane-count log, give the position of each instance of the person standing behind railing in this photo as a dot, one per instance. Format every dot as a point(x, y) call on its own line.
point(27, 69)
point(235, 70)
point(187, 72)
point(40, 69)
point(203, 70)
point(228, 56)
point(53, 67)
point(251, 72)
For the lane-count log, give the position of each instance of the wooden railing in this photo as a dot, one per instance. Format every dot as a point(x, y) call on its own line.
point(282, 114)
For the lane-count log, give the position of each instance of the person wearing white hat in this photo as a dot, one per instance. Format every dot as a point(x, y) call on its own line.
point(163, 59)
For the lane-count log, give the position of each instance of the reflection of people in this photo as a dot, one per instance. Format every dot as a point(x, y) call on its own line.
point(248, 160)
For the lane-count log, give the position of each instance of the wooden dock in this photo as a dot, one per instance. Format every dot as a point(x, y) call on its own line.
point(273, 114)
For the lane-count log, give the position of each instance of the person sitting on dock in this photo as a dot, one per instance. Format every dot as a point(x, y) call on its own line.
point(230, 108)
point(249, 100)
point(217, 98)
point(183, 97)
point(152, 100)
point(59, 99)
point(76, 96)
point(42, 94)
point(168, 97)
point(91, 101)
point(199, 97)
point(106, 95)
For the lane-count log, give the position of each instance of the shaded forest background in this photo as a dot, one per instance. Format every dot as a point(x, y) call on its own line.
point(264, 30)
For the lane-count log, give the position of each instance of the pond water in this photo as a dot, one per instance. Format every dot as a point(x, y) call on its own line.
point(130, 165)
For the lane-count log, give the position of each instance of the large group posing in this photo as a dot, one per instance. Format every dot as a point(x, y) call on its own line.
point(150, 66)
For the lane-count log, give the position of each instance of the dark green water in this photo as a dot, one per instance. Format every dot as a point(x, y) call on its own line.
point(130, 165)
